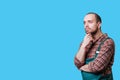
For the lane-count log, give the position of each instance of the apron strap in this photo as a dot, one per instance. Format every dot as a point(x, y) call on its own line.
point(98, 50)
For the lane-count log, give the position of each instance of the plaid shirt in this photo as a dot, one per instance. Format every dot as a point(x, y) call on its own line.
point(104, 59)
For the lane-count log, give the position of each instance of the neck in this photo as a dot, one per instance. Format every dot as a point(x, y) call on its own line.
point(97, 35)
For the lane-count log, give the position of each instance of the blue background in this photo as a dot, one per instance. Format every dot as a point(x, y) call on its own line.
point(39, 38)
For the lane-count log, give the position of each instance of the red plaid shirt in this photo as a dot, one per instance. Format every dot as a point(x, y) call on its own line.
point(104, 59)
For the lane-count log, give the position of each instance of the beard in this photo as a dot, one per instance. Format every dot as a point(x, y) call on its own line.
point(92, 32)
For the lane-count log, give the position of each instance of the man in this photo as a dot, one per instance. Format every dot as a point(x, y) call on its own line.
point(96, 53)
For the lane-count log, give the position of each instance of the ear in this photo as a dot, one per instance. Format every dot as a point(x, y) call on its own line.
point(99, 25)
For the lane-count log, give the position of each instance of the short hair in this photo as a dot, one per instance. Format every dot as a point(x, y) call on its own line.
point(98, 18)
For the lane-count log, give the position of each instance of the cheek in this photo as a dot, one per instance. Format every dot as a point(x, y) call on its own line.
point(93, 27)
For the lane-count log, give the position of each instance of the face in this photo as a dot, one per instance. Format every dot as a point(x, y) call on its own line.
point(90, 24)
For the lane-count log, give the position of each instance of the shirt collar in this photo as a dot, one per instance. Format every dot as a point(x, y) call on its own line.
point(101, 37)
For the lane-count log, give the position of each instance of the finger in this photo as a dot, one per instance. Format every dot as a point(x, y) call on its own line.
point(90, 34)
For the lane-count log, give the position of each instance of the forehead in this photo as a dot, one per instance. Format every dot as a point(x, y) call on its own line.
point(89, 17)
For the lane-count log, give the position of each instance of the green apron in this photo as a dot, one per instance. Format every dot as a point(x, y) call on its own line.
point(94, 76)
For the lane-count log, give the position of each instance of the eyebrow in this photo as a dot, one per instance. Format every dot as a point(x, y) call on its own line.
point(88, 21)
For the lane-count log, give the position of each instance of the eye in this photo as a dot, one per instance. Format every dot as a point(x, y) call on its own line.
point(90, 21)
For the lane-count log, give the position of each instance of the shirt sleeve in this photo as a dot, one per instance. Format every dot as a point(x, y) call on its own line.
point(79, 63)
point(103, 58)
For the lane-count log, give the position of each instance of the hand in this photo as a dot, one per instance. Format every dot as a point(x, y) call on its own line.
point(87, 40)
point(85, 68)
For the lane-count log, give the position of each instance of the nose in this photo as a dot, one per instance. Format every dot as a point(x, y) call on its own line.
point(85, 25)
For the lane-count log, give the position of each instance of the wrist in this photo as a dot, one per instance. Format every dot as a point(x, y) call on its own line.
point(83, 46)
